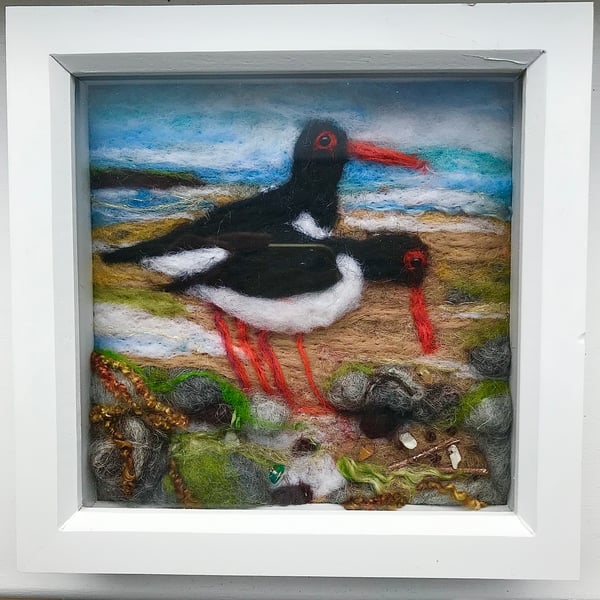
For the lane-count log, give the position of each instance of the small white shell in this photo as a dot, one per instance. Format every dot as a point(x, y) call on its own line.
point(454, 455)
point(407, 440)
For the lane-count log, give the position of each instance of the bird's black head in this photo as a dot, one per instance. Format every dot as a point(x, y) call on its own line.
point(402, 258)
point(322, 140)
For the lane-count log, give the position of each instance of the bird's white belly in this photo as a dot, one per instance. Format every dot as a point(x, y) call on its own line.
point(295, 314)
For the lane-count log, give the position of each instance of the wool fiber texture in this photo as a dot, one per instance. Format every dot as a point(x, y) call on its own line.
point(293, 309)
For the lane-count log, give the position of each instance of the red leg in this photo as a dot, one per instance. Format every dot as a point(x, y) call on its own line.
point(423, 324)
point(309, 375)
point(247, 347)
point(234, 361)
point(269, 354)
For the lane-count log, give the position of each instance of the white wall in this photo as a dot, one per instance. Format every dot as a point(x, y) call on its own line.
point(13, 583)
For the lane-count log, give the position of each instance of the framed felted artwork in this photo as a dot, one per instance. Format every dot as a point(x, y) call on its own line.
point(270, 304)
point(283, 278)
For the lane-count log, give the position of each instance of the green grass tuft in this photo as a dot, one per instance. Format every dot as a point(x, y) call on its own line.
point(486, 389)
point(160, 304)
point(347, 368)
point(159, 382)
point(485, 331)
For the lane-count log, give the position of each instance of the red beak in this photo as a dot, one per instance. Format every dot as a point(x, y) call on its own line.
point(370, 152)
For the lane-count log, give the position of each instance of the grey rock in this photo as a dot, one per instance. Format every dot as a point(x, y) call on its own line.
point(252, 480)
point(349, 390)
point(194, 394)
point(394, 387)
point(439, 403)
point(492, 359)
point(491, 418)
point(150, 460)
point(457, 296)
point(269, 409)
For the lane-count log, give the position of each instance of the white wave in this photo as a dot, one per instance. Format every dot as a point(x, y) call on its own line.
point(412, 224)
point(225, 156)
point(478, 315)
point(159, 337)
point(423, 199)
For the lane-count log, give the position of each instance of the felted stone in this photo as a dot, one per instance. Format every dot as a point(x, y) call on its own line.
point(348, 392)
point(252, 480)
point(214, 414)
point(216, 473)
point(269, 409)
point(439, 403)
point(483, 489)
point(492, 358)
point(149, 455)
point(458, 296)
point(194, 394)
point(491, 418)
point(394, 387)
point(98, 393)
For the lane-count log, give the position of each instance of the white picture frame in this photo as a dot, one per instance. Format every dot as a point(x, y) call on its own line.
point(537, 535)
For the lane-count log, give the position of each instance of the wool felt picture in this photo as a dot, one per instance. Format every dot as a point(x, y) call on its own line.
point(301, 291)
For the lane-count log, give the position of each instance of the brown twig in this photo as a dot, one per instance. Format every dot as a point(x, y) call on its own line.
point(429, 452)
point(466, 471)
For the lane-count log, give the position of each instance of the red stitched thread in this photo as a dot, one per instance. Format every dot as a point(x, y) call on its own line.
point(234, 361)
point(248, 349)
point(421, 320)
point(309, 374)
point(267, 351)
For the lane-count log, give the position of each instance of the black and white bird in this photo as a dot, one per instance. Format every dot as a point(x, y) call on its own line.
point(306, 203)
point(295, 288)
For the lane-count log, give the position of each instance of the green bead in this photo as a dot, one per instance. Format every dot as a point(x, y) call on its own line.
point(276, 473)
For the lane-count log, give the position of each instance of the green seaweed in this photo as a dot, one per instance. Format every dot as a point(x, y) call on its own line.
point(404, 481)
point(231, 394)
point(160, 304)
point(487, 283)
point(203, 464)
point(159, 381)
point(485, 331)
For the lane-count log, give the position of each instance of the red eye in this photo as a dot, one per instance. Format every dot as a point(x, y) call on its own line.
point(326, 140)
point(414, 259)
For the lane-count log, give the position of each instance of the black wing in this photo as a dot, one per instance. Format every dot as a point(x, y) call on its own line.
point(275, 271)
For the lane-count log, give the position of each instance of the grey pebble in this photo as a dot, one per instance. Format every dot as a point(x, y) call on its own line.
point(149, 458)
point(439, 403)
point(349, 390)
point(194, 394)
point(457, 296)
point(394, 387)
point(492, 358)
point(491, 418)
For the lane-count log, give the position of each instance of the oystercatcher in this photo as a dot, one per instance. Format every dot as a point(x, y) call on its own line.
point(295, 288)
point(306, 203)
